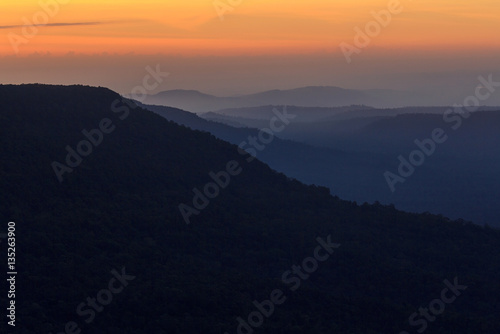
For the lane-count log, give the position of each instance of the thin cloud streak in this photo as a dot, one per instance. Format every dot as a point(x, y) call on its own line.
point(63, 24)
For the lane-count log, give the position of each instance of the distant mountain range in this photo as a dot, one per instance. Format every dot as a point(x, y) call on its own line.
point(312, 96)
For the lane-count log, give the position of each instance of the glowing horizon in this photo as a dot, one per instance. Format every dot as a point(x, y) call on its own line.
point(437, 47)
point(256, 27)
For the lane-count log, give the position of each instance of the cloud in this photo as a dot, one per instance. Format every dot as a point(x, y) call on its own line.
point(71, 24)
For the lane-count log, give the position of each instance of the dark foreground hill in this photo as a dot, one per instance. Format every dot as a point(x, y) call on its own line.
point(107, 251)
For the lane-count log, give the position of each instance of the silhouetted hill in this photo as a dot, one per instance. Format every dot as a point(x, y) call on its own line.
point(314, 118)
point(459, 179)
point(118, 209)
point(309, 164)
point(264, 113)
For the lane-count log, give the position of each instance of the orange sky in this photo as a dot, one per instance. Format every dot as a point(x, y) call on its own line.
point(254, 26)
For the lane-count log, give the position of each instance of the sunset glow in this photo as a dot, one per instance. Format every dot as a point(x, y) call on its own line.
point(257, 27)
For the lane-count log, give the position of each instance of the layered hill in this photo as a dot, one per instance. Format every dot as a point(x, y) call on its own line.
point(311, 96)
point(459, 179)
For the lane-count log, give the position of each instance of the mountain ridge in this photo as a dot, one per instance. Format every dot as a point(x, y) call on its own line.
point(309, 96)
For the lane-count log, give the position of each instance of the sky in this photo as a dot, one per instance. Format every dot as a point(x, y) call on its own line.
point(227, 47)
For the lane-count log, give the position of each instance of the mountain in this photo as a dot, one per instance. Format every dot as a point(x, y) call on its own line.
point(309, 164)
point(362, 149)
point(304, 114)
point(313, 96)
point(106, 250)
point(189, 100)
point(277, 148)
point(311, 117)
